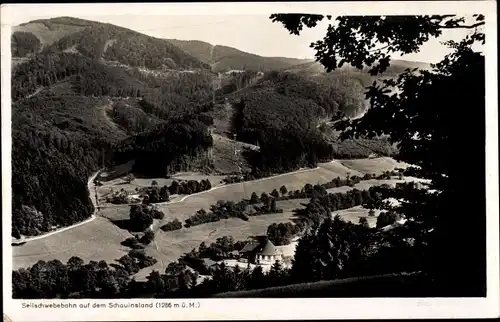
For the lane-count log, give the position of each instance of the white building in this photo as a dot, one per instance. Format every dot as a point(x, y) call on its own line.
point(268, 255)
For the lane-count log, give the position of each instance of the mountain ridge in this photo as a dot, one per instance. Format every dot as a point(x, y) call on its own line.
point(225, 58)
point(221, 58)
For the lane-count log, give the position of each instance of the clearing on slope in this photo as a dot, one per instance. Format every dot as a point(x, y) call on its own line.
point(228, 156)
point(49, 31)
point(374, 165)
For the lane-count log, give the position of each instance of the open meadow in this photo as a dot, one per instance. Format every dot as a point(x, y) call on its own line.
point(366, 184)
point(355, 213)
point(169, 246)
point(373, 165)
point(100, 239)
point(97, 240)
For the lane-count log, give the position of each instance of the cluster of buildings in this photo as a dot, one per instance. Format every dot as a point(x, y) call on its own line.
point(124, 197)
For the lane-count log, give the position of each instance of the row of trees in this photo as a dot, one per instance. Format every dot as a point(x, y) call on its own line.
point(229, 279)
point(75, 279)
point(172, 225)
point(230, 209)
point(189, 186)
point(267, 202)
point(156, 194)
point(321, 207)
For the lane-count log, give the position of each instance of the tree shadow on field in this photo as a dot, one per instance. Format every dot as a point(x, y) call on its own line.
point(126, 224)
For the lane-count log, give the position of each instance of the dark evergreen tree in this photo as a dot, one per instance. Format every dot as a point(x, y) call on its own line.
point(423, 140)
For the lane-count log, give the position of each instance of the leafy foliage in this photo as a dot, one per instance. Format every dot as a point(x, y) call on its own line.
point(189, 187)
point(418, 111)
point(386, 218)
point(325, 254)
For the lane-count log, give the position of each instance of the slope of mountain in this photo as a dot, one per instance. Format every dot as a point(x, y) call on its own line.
point(223, 58)
point(351, 83)
point(283, 112)
point(80, 90)
point(107, 42)
point(49, 31)
point(87, 95)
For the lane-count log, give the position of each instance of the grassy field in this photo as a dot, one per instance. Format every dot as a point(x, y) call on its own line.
point(366, 184)
point(353, 215)
point(100, 239)
point(374, 165)
point(137, 183)
point(97, 240)
point(169, 246)
point(119, 183)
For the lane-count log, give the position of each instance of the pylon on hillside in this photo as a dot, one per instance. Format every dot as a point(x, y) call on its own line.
point(216, 84)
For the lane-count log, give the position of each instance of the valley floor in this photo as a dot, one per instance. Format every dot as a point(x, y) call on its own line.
point(100, 239)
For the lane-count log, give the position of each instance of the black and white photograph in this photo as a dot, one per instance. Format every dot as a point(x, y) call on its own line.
point(270, 153)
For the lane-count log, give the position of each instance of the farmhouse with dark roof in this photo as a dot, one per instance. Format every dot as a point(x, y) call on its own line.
point(260, 252)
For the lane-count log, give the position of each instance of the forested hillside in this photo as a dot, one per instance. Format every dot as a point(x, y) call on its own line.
point(57, 144)
point(85, 88)
point(168, 147)
point(99, 95)
point(283, 113)
point(100, 40)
